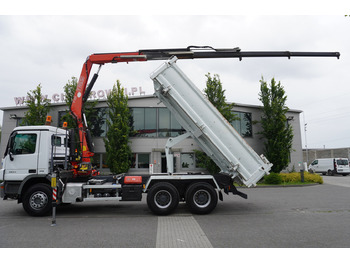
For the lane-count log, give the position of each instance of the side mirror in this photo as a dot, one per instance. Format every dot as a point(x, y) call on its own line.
point(10, 145)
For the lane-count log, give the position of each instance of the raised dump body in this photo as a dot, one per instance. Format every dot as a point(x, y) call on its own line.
point(205, 124)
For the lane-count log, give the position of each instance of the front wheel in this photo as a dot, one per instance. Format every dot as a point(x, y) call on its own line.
point(201, 198)
point(162, 198)
point(37, 200)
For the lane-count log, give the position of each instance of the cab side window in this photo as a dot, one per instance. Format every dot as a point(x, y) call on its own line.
point(315, 162)
point(23, 144)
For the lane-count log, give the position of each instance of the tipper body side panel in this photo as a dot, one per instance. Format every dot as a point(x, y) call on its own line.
point(217, 138)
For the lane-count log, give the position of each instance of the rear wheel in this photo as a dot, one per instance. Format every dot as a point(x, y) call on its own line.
point(201, 198)
point(162, 198)
point(37, 200)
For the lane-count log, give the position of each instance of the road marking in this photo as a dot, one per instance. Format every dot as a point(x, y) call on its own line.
point(180, 231)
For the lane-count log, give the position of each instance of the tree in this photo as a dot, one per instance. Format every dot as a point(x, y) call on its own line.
point(277, 132)
point(69, 91)
point(118, 125)
point(94, 116)
point(38, 108)
point(216, 95)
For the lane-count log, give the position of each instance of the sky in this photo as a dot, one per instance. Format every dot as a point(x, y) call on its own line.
point(49, 45)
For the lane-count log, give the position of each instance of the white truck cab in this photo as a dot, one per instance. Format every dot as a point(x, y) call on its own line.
point(28, 153)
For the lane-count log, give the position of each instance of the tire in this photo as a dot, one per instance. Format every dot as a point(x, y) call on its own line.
point(37, 200)
point(201, 198)
point(162, 198)
point(330, 173)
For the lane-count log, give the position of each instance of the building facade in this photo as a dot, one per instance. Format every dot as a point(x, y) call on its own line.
point(310, 154)
point(153, 125)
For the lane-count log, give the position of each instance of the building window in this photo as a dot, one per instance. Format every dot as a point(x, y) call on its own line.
point(97, 122)
point(140, 160)
point(244, 124)
point(96, 161)
point(164, 122)
point(154, 122)
point(144, 121)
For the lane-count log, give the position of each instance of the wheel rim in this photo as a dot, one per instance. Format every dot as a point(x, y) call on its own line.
point(163, 199)
point(38, 200)
point(202, 198)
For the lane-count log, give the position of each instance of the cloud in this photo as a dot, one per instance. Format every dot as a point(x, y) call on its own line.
point(51, 49)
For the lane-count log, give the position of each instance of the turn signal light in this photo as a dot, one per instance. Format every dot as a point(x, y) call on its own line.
point(48, 120)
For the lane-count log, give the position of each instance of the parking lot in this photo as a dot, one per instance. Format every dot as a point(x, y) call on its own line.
point(308, 216)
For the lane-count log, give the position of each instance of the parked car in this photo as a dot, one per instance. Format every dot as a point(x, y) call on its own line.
point(330, 166)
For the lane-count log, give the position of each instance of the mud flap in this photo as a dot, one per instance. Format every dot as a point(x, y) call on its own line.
point(234, 191)
point(221, 197)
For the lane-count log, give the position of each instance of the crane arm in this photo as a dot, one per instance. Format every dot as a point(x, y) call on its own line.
point(191, 52)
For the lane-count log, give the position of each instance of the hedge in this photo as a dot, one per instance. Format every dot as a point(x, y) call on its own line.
point(294, 177)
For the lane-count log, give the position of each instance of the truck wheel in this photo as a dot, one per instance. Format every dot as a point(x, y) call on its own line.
point(162, 198)
point(37, 200)
point(329, 173)
point(201, 198)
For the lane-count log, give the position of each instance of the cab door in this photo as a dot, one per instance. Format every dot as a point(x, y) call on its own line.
point(21, 157)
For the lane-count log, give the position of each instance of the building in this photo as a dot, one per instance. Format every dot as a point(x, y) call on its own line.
point(154, 125)
point(310, 154)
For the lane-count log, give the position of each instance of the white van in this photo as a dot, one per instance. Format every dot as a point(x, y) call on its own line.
point(330, 166)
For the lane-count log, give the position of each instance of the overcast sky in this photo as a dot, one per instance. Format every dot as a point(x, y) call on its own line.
point(49, 50)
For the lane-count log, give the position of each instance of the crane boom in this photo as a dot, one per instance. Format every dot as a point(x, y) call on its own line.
point(191, 52)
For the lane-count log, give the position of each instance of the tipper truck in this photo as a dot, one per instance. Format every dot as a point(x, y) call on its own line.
point(41, 168)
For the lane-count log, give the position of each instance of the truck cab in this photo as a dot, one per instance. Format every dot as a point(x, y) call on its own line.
point(28, 157)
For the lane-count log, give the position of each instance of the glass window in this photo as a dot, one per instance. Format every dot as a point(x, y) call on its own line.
point(342, 162)
point(97, 121)
point(155, 122)
point(150, 129)
point(188, 160)
point(57, 141)
point(144, 122)
point(23, 144)
point(143, 160)
point(164, 122)
point(104, 161)
point(176, 128)
point(243, 125)
point(95, 161)
point(138, 120)
point(140, 160)
point(62, 115)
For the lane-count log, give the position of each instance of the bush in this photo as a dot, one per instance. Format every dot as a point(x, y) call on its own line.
point(295, 178)
point(273, 179)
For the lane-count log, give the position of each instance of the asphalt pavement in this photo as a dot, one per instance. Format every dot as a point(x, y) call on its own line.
point(283, 217)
